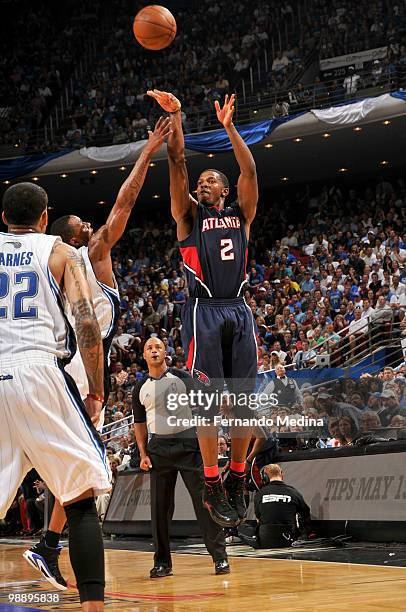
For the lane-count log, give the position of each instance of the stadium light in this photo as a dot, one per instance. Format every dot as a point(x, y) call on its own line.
point(357, 129)
point(93, 171)
point(35, 178)
point(343, 169)
point(156, 196)
point(384, 162)
point(284, 179)
point(326, 135)
point(152, 164)
point(210, 154)
point(6, 182)
point(268, 146)
point(297, 139)
point(63, 175)
point(386, 122)
point(122, 168)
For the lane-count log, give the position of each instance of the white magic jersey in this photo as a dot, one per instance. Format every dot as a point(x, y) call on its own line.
point(104, 298)
point(106, 303)
point(31, 304)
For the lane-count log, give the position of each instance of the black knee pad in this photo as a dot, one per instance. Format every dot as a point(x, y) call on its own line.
point(86, 549)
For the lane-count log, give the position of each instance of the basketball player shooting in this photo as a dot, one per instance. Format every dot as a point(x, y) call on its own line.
point(95, 250)
point(218, 330)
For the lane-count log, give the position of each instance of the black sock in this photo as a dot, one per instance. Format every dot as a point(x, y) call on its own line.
point(86, 549)
point(52, 539)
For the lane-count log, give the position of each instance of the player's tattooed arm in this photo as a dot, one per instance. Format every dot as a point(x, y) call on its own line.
point(86, 326)
point(106, 237)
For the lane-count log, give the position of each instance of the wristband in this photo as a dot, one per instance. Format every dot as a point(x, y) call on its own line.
point(97, 398)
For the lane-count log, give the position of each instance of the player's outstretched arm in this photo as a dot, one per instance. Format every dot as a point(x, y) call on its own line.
point(183, 206)
point(69, 271)
point(106, 237)
point(247, 188)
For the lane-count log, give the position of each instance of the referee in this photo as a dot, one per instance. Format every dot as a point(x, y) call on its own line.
point(171, 449)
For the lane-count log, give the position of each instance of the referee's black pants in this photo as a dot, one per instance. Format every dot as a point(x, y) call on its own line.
point(168, 457)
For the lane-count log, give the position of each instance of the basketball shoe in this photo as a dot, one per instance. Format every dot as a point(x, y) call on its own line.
point(234, 488)
point(214, 499)
point(45, 559)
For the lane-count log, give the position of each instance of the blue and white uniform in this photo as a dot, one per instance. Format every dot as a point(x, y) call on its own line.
point(43, 420)
point(106, 303)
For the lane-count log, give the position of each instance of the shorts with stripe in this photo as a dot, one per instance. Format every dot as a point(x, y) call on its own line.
point(44, 425)
point(76, 370)
point(219, 340)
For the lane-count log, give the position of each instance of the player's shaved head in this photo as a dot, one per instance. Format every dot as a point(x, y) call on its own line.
point(64, 227)
point(72, 230)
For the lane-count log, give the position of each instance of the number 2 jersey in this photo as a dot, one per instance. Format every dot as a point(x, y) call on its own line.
point(32, 316)
point(215, 253)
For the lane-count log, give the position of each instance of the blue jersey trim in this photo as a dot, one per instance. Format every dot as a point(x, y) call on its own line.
point(70, 343)
point(98, 445)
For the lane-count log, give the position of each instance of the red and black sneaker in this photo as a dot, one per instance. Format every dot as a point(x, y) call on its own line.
point(214, 499)
point(234, 488)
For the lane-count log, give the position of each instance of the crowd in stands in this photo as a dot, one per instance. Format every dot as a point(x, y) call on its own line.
point(107, 103)
point(40, 48)
point(215, 43)
point(346, 27)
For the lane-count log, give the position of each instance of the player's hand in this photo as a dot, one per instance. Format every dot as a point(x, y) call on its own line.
point(167, 101)
point(163, 129)
point(145, 463)
point(93, 409)
point(225, 114)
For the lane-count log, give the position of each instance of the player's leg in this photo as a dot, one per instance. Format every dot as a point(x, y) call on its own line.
point(14, 463)
point(201, 324)
point(242, 382)
point(68, 454)
point(46, 552)
point(86, 550)
point(213, 534)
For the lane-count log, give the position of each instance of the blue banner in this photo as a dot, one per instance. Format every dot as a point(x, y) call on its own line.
point(13, 168)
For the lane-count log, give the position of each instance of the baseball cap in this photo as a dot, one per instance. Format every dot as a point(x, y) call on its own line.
point(388, 393)
point(262, 289)
point(324, 396)
point(177, 319)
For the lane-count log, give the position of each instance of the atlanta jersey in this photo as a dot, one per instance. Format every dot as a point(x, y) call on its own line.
point(215, 253)
point(31, 304)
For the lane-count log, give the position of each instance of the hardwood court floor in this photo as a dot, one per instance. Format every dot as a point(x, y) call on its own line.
point(254, 584)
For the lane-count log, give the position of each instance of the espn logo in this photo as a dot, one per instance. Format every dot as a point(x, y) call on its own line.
point(276, 498)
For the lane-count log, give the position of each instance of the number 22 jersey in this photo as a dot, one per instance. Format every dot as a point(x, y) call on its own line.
point(215, 253)
point(32, 314)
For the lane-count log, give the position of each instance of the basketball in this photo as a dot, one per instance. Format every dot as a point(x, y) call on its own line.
point(154, 27)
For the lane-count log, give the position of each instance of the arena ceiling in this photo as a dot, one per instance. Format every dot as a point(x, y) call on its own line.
point(295, 159)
